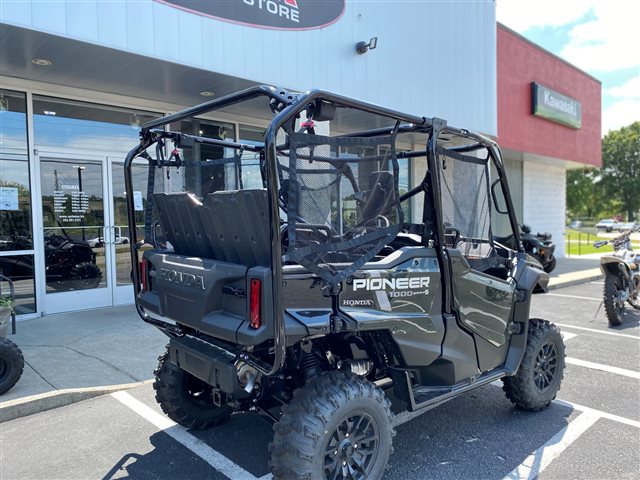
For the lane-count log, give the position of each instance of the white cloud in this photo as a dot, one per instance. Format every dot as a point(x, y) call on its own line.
point(630, 89)
point(607, 42)
point(620, 114)
point(521, 15)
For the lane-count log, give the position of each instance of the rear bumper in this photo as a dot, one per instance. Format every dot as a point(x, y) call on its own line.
point(207, 362)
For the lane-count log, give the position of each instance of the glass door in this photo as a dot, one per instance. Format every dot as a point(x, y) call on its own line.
point(120, 235)
point(75, 232)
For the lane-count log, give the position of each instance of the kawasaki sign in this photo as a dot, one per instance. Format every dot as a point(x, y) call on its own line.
point(554, 106)
point(273, 14)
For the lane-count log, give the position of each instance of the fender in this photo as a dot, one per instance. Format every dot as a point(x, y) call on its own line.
point(531, 279)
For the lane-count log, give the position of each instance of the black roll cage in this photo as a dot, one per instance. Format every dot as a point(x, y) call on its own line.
point(286, 107)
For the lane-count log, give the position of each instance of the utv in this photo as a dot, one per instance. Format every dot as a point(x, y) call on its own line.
point(300, 276)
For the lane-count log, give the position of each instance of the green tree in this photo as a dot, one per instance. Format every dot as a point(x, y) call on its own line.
point(621, 167)
point(586, 196)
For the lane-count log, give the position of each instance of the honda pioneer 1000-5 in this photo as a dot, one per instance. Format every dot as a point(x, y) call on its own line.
point(301, 276)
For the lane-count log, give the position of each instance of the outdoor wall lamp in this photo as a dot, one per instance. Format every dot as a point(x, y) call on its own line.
point(363, 47)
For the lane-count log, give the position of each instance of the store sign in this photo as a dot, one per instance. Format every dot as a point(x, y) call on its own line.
point(274, 14)
point(554, 106)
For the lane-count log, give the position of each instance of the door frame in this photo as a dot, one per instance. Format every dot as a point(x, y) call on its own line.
point(59, 302)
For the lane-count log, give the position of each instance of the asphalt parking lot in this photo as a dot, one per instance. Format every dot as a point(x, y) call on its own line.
point(591, 432)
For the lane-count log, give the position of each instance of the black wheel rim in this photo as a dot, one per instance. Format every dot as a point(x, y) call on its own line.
point(352, 449)
point(544, 372)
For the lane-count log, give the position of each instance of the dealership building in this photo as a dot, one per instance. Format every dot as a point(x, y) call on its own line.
point(77, 79)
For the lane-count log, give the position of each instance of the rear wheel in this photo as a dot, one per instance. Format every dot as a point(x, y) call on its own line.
point(11, 364)
point(541, 370)
point(338, 426)
point(186, 399)
point(613, 302)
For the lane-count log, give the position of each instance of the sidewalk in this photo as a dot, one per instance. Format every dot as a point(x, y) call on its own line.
point(575, 270)
point(74, 356)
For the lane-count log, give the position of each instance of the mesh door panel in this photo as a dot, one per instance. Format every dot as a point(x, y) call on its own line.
point(466, 205)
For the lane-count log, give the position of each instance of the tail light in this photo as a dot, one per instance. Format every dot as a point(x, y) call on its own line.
point(143, 274)
point(255, 317)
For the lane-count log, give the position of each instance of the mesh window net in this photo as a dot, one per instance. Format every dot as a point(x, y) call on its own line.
point(340, 196)
point(466, 205)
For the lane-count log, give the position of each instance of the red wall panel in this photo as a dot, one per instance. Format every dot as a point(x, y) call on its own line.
point(520, 63)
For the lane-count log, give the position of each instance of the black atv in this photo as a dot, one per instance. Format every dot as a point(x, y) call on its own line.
point(311, 298)
point(539, 246)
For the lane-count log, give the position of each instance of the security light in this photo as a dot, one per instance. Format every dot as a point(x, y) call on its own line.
point(363, 47)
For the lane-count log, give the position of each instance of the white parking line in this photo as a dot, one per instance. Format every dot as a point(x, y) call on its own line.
point(602, 367)
point(181, 435)
point(604, 332)
point(572, 296)
point(568, 336)
point(540, 459)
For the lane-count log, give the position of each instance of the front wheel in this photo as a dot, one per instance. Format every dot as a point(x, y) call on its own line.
point(551, 266)
point(11, 364)
point(614, 300)
point(338, 426)
point(538, 379)
point(85, 275)
point(186, 399)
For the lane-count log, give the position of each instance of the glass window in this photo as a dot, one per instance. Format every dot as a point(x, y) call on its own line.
point(19, 268)
point(73, 220)
point(251, 176)
point(208, 178)
point(13, 122)
point(15, 200)
point(68, 124)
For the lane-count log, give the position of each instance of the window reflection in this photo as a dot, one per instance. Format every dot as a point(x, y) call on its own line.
point(15, 202)
point(73, 220)
point(13, 122)
point(209, 178)
point(19, 268)
point(77, 125)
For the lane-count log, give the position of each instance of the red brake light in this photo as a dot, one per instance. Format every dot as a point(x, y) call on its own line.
point(143, 274)
point(255, 319)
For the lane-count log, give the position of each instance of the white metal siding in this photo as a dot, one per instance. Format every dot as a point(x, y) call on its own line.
point(433, 58)
point(543, 200)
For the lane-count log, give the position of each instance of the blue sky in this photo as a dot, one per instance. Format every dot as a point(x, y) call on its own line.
point(598, 36)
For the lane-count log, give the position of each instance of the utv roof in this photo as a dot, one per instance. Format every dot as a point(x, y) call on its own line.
point(327, 105)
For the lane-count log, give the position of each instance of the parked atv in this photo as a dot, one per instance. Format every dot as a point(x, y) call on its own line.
point(621, 277)
point(11, 359)
point(539, 246)
point(69, 264)
point(312, 300)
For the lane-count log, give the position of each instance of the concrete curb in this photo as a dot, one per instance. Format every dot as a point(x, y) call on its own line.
point(576, 281)
point(22, 407)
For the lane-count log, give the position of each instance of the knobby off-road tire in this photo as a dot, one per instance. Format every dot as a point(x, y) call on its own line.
point(615, 312)
point(185, 399)
point(551, 266)
point(338, 426)
point(540, 374)
point(11, 364)
point(85, 275)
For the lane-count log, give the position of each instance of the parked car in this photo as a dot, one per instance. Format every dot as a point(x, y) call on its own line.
point(99, 241)
point(608, 225)
point(627, 226)
point(575, 224)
